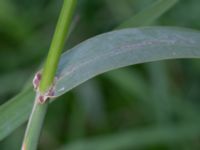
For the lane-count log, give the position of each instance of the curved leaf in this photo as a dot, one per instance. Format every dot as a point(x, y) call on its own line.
point(123, 48)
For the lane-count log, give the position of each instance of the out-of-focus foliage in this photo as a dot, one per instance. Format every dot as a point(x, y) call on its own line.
point(156, 104)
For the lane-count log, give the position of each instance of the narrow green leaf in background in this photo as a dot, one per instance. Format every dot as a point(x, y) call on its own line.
point(149, 15)
point(139, 138)
point(15, 112)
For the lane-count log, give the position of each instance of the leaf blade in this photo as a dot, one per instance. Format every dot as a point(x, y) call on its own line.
point(15, 112)
point(136, 139)
point(149, 15)
point(123, 48)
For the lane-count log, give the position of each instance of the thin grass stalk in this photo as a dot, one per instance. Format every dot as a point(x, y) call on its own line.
point(39, 110)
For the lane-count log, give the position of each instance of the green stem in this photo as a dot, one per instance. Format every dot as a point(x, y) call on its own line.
point(57, 44)
point(39, 110)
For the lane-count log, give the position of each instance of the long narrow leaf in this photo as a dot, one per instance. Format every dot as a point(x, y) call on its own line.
point(138, 139)
point(150, 14)
point(123, 48)
point(15, 112)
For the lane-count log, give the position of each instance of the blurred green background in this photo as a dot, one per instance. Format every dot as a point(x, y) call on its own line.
point(152, 106)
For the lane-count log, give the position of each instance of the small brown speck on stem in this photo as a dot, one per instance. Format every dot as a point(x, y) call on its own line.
point(23, 147)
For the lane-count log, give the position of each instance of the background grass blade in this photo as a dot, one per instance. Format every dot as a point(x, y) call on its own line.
point(122, 48)
point(15, 112)
point(149, 15)
point(139, 138)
